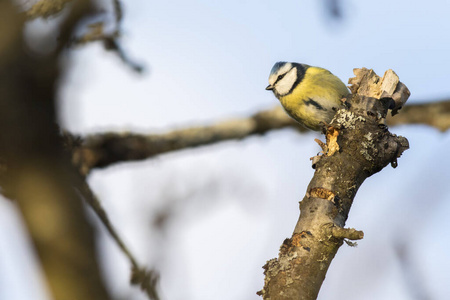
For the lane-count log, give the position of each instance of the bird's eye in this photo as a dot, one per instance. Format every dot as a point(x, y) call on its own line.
point(279, 77)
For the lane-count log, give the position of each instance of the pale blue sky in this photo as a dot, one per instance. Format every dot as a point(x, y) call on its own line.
point(209, 60)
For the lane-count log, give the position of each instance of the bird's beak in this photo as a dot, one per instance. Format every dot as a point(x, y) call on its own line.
point(269, 87)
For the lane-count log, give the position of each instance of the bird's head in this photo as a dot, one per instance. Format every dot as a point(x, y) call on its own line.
point(284, 77)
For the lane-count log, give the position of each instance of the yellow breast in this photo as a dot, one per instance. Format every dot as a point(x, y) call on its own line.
point(315, 99)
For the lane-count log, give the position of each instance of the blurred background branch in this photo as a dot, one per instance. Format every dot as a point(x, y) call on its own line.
point(46, 9)
point(412, 275)
point(38, 174)
point(94, 32)
point(35, 170)
point(103, 149)
point(146, 279)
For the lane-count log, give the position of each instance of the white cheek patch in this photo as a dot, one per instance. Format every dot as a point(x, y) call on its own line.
point(283, 86)
point(284, 69)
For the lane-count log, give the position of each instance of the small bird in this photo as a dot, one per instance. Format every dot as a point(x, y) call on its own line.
point(310, 95)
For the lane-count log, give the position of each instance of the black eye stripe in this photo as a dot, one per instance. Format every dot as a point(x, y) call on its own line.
point(280, 77)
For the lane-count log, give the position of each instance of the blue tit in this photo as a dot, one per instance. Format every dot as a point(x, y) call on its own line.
point(310, 95)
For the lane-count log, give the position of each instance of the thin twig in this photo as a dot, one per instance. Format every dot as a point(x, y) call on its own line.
point(146, 279)
point(95, 204)
point(118, 12)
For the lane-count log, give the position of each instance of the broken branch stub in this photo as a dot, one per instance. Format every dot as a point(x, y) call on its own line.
point(367, 83)
point(358, 145)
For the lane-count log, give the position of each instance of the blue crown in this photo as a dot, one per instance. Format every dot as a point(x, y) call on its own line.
point(277, 66)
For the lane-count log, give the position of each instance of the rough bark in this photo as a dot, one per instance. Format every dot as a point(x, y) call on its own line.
point(358, 145)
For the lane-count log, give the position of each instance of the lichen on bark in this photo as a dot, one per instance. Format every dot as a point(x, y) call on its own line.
point(358, 145)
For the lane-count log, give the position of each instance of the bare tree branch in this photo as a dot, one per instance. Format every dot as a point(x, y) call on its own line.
point(110, 40)
point(411, 274)
point(435, 114)
point(95, 31)
point(145, 279)
point(118, 11)
point(334, 9)
point(102, 150)
point(358, 146)
point(37, 170)
point(45, 8)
